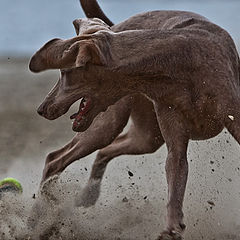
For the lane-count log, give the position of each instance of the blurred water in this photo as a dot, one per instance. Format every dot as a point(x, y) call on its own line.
point(27, 24)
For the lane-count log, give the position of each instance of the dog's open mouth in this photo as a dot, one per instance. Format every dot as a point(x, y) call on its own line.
point(84, 107)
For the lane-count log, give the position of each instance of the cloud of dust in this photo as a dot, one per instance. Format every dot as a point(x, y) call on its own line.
point(55, 217)
point(134, 207)
point(129, 207)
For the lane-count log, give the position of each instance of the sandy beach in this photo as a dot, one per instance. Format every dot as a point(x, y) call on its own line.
point(129, 208)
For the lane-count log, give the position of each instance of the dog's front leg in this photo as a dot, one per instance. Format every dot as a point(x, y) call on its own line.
point(104, 129)
point(176, 171)
point(175, 135)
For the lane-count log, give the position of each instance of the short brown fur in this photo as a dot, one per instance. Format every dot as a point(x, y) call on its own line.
point(187, 66)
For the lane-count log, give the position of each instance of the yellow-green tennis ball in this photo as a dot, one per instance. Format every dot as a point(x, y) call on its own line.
point(10, 184)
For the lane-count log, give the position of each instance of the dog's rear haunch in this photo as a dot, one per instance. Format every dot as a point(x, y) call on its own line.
point(187, 66)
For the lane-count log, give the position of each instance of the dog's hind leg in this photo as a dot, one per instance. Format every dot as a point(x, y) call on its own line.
point(143, 137)
point(127, 145)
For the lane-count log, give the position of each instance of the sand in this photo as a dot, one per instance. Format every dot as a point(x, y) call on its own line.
point(129, 207)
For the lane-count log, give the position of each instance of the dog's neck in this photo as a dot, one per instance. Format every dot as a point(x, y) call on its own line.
point(120, 83)
point(136, 59)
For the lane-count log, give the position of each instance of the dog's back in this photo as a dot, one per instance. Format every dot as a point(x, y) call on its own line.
point(147, 20)
point(164, 20)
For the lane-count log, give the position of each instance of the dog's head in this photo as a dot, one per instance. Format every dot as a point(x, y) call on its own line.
point(81, 61)
point(61, 54)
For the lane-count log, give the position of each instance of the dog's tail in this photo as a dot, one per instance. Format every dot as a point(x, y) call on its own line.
point(92, 9)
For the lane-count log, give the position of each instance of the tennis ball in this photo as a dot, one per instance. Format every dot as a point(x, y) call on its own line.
point(10, 185)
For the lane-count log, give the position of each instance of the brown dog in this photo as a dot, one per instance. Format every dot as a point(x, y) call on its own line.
point(189, 69)
point(105, 128)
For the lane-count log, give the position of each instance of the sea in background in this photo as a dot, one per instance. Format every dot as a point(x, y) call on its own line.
point(26, 24)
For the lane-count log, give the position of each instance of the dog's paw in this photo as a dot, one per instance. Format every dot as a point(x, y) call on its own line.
point(89, 195)
point(172, 235)
point(48, 188)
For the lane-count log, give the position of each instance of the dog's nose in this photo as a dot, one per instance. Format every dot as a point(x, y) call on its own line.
point(40, 110)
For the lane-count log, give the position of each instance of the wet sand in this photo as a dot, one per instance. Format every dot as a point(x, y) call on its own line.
point(129, 207)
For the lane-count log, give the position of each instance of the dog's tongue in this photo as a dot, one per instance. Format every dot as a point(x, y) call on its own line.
point(81, 106)
point(83, 109)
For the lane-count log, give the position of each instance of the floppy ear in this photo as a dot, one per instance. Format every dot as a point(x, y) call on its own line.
point(77, 25)
point(59, 54)
point(40, 60)
point(82, 52)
